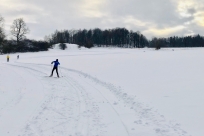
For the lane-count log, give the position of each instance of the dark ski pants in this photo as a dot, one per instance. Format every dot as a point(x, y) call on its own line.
point(55, 68)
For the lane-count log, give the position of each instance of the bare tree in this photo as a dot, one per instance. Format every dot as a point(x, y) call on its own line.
point(1, 21)
point(19, 29)
point(2, 34)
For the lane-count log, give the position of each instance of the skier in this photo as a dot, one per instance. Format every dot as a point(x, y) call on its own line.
point(56, 63)
point(18, 57)
point(7, 58)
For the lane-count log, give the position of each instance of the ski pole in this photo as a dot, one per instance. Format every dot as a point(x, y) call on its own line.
point(51, 69)
point(60, 70)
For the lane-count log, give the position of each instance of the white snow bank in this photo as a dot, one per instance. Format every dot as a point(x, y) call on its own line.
point(69, 47)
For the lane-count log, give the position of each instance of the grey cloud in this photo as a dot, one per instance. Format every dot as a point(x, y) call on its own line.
point(158, 12)
point(67, 14)
point(192, 11)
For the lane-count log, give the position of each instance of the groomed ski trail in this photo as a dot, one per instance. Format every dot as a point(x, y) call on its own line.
point(80, 105)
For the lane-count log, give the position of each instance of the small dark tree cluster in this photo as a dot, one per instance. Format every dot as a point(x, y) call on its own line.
point(62, 46)
point(157, 43)
point(89, 44)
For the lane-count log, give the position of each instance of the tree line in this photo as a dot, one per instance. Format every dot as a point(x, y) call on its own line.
point(178, 42)
point(19, 43)
point(117, 37)
point(121, 37)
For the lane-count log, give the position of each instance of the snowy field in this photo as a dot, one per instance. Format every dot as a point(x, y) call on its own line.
point(103, 92)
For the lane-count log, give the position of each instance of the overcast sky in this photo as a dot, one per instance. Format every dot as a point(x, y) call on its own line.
point(159, 18)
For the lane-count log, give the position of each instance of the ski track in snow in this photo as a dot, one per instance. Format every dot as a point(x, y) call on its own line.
point(77, 105)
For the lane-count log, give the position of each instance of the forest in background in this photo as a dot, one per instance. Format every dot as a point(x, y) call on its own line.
point(116, 37)
point(121, 37)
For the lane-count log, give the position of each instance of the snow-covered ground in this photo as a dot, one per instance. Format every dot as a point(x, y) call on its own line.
point(103, 92)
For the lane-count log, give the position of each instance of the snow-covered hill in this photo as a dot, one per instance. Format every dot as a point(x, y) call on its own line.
point(104, 92)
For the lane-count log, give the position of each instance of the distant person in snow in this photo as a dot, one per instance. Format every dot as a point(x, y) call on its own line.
point(18, 57)
point(56, 63)
point(7, 58)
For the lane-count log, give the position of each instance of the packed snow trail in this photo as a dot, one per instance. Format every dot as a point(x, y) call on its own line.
point(75, 105)
point(21, 94)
